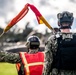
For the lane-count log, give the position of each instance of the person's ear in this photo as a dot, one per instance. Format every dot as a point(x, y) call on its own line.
point(27, 44)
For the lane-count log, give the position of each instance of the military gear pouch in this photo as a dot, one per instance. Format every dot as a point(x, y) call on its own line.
point(65, 57)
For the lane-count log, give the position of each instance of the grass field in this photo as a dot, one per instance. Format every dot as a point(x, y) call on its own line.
point(7, 69)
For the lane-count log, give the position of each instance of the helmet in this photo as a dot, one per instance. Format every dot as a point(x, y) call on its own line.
point(33, 42)
point(65, 17)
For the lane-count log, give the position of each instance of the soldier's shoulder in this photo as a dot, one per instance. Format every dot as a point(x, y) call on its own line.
point(55, 35)
point(50, 39)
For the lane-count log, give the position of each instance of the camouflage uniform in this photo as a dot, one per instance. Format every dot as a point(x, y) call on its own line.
point(51, 46)
point(9, 57)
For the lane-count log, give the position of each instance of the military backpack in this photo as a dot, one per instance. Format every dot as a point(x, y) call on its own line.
point(65, 57)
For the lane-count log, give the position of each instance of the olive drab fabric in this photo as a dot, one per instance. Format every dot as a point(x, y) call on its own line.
point(65, 57)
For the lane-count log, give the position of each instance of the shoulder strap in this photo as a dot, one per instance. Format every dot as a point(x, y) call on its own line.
point(56, 53)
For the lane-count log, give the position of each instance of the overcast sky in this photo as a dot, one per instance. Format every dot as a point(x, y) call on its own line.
point(48, 8)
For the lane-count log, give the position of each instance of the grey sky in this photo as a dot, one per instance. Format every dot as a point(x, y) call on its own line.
point(48, 8)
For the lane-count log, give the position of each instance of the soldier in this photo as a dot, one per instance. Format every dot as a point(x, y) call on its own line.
point(60, 49)
point(30, 63)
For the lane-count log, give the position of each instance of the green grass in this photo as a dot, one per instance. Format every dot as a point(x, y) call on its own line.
point(7, 69)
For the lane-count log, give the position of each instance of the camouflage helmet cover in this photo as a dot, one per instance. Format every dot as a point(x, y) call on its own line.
point(65, 17)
